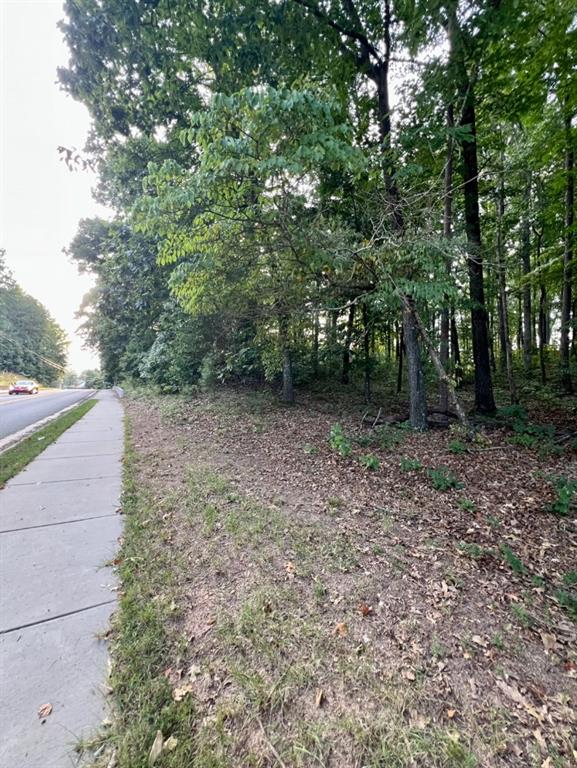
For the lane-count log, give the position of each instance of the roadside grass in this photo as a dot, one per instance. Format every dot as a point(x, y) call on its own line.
point(15, 459)
point(225, 642)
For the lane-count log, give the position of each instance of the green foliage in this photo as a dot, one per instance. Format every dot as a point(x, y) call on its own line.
point(565, 491)
point(457, 447)
point(467, 505)
point(369, 461)
point(339, 442)
point(568, 602)
point(514, 562)
point(443, 479)
point(410, 465)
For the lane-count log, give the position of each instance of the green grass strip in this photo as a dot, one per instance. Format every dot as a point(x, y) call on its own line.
point(15, 459)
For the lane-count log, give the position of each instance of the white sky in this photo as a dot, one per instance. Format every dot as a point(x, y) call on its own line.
point(41, 201)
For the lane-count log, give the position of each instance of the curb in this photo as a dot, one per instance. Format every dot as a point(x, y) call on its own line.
point(17, 437)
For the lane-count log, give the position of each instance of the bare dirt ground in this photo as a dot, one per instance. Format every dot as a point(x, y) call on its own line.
point(330, 614)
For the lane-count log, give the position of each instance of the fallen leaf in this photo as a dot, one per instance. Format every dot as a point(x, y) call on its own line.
point(156, 748)
point(194, 671)
point(170, 744)
point(44, 711)
point(320, 697)
point(365, 609)
point(409, 674)
point(451, 713)
point(341, 629)
point(540, 739)
point(549, 641)
point(478, 640)
point(181, 691)
point(290, 569)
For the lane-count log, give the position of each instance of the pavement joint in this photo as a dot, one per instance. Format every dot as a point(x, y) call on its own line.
point(56, 618)
point(59, 522)
point(57, 482)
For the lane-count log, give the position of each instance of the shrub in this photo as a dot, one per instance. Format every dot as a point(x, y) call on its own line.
point(339, 442)
point(457, 446)
point(467, 505)
point(514, 562)
point(443, 479)
point(410, 465)
point(370, 462)
point(564, 499)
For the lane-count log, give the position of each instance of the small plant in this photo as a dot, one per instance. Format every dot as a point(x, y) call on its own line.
point(570, 579)
point(443, 479)
point(514, 412)
point(370, 462)
point(568, 602)
point(388, 438)
point(524, 440)
point(339, 442)
point(520, 613)
point(514, 562)
point(472, 550)
point(458, 447)
point(497, 641)
point(564, 500)
point(310, 449)
point(467, 505)
point(410, 465)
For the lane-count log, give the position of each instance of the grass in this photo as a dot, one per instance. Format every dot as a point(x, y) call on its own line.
point(15, 459)
point(274, 671)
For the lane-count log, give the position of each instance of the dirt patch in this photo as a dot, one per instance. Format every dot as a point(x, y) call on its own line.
point(337, 615)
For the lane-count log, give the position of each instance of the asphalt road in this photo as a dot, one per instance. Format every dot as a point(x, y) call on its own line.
point(20, 411)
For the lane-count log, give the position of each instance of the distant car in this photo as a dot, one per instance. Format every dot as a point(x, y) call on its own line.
point(25, 387)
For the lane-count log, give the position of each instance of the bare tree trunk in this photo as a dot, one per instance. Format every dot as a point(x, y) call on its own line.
point(566, 300)
point(503, 310)
point(417, 393)
point(484, 400)
point(455, 351)
point(447, 233)
point(526, 266)
point(345, 375)
point(367, 352)
point(401, 347)
point(542, 321)
point(287, 394)
point(315, 349)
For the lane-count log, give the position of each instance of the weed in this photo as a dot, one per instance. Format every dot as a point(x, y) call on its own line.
point(570, 579)
point(514, 562)
point(443, 479)
point(521, 614)
point(467, 505)
point(310, 449)
point(388, 438)
point(377, 550)
point(471, 549)
point(564, 500)
point(410, 465)
point(320, 590)
point(370, 462)
point(339, 442)
point(493, 521)
point(568, 602)
point(497, 641)
point(458, 447)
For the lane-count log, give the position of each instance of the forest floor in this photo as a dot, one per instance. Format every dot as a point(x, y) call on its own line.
point(285, 605)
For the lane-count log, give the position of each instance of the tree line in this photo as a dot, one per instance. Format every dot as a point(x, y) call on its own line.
point(32, 344)
point(315, 189)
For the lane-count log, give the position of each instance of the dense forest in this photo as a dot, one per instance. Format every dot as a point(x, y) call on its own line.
point(336, 190)
point(32, 344)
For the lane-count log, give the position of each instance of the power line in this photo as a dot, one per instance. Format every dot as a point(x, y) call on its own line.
point(45, 360)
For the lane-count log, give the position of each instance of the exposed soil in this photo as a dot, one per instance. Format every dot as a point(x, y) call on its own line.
point(452, 608)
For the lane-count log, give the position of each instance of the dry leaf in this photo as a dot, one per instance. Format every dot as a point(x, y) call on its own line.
point(320, 697)
point(549, 641)
point(290, 569)
point(156, 748)
point(179, 693)
point(409, 674)
point(170, 744)
point(365, 609)
point(478, 640)
point(451, 713)
point(341, 629)
point(194, 671)
point(540, 739)
point(44, 711)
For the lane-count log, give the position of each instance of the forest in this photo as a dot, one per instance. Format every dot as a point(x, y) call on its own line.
point(337, 287)
point(32, 344)
point(308, 191)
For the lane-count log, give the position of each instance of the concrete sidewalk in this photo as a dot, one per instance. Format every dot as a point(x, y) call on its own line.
point(58, 525)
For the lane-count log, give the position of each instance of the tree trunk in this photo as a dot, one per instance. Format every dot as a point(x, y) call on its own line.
point(484, 400)
point(455, 351)
point(367, 353)
point(400, 348)
point(315, 349)
point(417, 393)
point(526, 266)
point(566, 300)
point(345, 375)
point(503, 308)
point(447, 233)
point(542, 321)
point(287, 393)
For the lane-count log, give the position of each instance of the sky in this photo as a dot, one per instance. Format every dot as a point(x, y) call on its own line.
point(41, 201)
